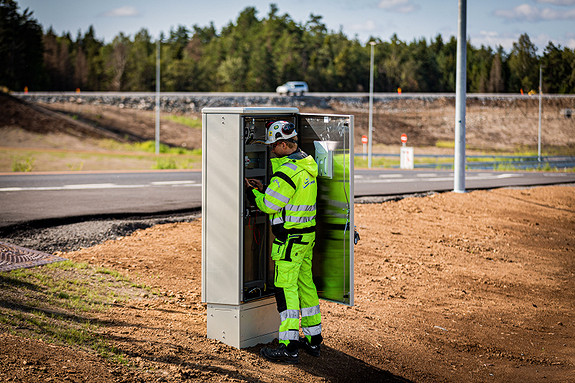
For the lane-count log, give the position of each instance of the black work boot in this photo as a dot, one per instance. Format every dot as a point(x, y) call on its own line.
point(280, 354)
point(312, 349)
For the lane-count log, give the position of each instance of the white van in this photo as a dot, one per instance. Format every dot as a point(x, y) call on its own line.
point(296, 88)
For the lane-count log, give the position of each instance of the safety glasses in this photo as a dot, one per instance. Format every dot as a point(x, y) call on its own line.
point(288, 128)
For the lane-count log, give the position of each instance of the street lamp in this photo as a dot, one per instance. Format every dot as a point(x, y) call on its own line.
point(372, 43)
point(460, 98)
point(158, 47)
point(539, 130)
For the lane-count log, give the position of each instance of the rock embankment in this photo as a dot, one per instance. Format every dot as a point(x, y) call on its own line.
point(180, 102)
point(195, 102)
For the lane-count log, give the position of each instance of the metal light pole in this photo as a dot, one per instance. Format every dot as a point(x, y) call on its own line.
point(372, 43)
point(540, 96)
point(158, 96)
point(460, 98)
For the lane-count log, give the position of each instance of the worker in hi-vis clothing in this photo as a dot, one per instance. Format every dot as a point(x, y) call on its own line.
point(290, 200)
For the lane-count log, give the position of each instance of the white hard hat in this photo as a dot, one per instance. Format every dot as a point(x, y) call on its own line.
point(280, 130)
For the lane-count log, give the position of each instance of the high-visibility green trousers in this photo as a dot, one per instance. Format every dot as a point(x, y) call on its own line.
point(294, 286)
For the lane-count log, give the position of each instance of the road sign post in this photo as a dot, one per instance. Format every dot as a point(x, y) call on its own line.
point(364, 142)
point(405, 154)
point(403, 139)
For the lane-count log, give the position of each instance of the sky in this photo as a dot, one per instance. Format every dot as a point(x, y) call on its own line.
point(489, 22)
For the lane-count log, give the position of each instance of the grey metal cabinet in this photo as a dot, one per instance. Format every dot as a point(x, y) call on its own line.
point(237, 272)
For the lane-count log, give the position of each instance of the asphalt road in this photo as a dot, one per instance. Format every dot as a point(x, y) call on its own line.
point(58, 197)
point(34, 197)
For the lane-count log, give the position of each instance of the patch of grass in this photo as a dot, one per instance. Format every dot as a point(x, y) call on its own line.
point(146, 147)
point(445, 144)
point(492, 159)
point(174, 162)
point(150, 147)
point(546, 150)
point(390, 162)
point(25, 164)
point(165, 163)
point(76, 167)
point(116, 157)
point(194, 123)
point(54, 303)
point(376, 162)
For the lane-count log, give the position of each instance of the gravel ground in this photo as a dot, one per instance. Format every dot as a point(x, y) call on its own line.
point(75, 236)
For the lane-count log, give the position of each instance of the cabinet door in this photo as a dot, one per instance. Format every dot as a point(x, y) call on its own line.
point(329, 138)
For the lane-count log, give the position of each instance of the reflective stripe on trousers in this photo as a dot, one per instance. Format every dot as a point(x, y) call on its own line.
point(311, 331)
point(295, 288)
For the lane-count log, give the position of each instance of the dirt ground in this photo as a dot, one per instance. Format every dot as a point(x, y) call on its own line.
point(78, 127)
point(491, 124)
point(475, 287)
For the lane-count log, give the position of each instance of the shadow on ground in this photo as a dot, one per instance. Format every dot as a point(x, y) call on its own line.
point(336, 366)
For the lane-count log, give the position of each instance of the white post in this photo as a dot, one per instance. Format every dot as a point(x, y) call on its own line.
point(460, 98)
point(158, 97)
point(372, 43)
point(539, 133)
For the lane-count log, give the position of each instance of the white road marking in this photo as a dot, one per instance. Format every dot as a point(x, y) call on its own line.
point(433, 178)
point(102, 186)
point(381, 178)
point(173, 182)
point(88, 186)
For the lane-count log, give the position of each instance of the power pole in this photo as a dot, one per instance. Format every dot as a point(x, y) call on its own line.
point(158, 96)
point(540, 96)
point(460, 98)
point(372, 43)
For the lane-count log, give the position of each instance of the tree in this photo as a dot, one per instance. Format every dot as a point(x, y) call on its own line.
point(92, 47)
point(141, 62)
point(81, 69)
point(117, 55)
point(524, 65)
point(426, 75)
point(447, 62)
point(21, 48)
point(394, 59)
point(253, 54)
point(59, 65)
point(558, 69)
point(479, 68)
point(496, 79)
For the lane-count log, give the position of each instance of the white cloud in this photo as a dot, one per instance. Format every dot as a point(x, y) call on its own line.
point(493, 39)
point(557, 2)
point(126, 11)
point(570, 40)
point(526, 12)
point(368, 26)
point(399, 6)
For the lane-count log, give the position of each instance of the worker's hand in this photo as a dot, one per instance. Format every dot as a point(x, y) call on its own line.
point(254, 183)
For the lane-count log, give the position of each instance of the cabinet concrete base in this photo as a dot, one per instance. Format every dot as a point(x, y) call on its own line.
point(244, 325)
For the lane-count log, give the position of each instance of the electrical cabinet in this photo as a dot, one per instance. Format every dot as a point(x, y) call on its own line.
point(237, 271)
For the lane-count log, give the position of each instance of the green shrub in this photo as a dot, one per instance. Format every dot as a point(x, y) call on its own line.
point(23, 164)
point(165, 163)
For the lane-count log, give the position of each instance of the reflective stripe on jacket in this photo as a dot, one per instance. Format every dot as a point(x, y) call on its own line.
point(290, 198)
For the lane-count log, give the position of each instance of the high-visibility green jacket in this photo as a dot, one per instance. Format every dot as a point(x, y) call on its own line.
point(290, 197)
